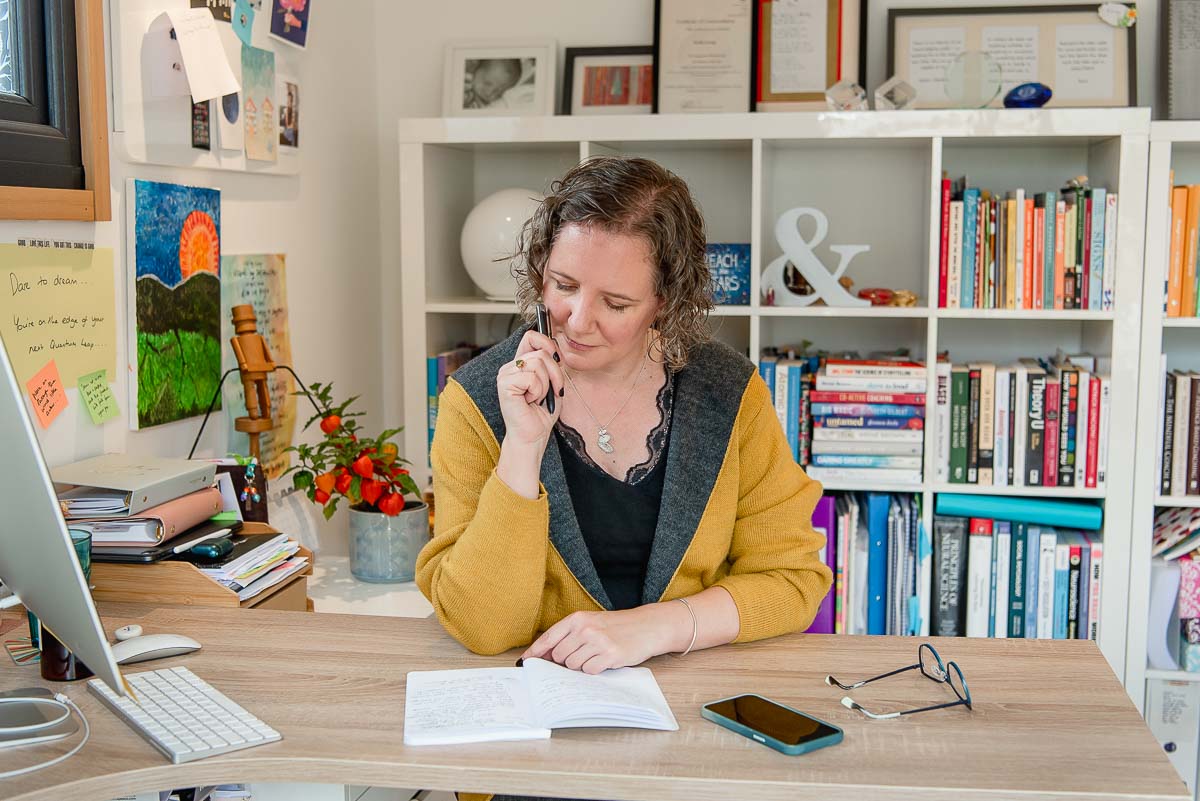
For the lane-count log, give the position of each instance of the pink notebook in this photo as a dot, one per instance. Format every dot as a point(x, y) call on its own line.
point(156, 524)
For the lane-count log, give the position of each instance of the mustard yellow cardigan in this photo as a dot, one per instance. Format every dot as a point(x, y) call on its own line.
point(736, 513)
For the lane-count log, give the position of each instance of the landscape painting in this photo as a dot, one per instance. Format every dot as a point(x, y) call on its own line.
point(175, 242)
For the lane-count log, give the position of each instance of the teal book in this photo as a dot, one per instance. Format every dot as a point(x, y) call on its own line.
point(1040, 511)
point(1017, 580)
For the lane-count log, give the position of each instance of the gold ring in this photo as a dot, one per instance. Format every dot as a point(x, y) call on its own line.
point(520, 363)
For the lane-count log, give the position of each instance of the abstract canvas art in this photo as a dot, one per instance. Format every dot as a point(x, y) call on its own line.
point(174, 338)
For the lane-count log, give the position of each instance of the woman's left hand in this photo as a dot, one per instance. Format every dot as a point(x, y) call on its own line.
point(596, 641)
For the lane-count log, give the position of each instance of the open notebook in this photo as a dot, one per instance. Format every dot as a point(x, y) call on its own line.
point(443, 707)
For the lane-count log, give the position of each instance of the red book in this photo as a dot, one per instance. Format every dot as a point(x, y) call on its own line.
point(1050, 459)
point(899, 398)
point(1027, 245)
point(1093, 432)
point(1039, 255)
point(943, 253)
point(980, 525)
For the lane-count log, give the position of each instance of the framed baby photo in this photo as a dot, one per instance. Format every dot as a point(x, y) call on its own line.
point(608, 80)
point(500, 79)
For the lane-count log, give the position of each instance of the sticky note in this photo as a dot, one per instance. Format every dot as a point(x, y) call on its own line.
point(97, 397)
point(243, 21)
point(46, 391)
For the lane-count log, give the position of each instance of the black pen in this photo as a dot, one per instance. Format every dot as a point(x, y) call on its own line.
point(543, 327)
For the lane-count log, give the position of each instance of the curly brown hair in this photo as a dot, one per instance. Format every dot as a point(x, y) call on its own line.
point(634, 197)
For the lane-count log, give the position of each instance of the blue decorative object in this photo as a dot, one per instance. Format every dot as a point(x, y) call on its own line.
point(1028, 95)
point(729, 265)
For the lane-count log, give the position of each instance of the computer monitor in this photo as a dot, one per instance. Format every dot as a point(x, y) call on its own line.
point(37, 560)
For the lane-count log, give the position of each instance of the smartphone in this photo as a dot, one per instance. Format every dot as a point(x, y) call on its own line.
point(774, 725)
point(543, 327)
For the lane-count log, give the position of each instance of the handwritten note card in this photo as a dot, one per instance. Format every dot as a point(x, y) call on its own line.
point(46, 391)
point(205, 65)
point(97, 397)
point(58, 303)
point(260, 280)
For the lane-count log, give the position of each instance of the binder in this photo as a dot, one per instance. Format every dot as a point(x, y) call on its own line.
point(878, 505)
point(1040, 511)
point(118, 484)
point(155, 525)
point(824, 521)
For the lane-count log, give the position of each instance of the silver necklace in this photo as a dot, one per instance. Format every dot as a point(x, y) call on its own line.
point(603, 438)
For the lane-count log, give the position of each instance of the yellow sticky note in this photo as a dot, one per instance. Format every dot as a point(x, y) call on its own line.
point(46, 390)
point(97, 397)
point(58, 303)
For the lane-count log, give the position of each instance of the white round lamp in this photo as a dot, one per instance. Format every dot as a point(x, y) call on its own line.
point(489, 238)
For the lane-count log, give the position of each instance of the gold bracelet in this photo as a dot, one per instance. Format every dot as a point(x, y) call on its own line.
point(695, 626)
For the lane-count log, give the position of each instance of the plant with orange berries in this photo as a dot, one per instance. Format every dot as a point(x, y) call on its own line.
point(367, 471)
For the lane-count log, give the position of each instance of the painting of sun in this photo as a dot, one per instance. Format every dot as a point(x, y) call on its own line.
point(175, 300)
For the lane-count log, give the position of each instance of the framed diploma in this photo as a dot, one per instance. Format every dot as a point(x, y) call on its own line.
point(702, 56)
point(1085, 59)
point(801, 48)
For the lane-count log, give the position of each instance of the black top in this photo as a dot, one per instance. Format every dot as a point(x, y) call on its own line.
point(618, 518)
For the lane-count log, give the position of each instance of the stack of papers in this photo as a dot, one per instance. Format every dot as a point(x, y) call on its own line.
point(273, 577)
point(93, 502)
point(256, 570)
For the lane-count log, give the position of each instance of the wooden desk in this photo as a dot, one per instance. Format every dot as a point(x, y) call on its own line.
point(1050, 721)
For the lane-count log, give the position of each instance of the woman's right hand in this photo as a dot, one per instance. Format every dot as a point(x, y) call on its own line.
point(522, 384)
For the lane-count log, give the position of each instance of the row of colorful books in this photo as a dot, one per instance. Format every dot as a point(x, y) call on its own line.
point(438, 368)
point(1049, 250)
point(851, 419)
point(1178, 458)
point(1182, 293)
point(999, 578)
point(1173, 624)
point(1033, 423)
point(882, 573)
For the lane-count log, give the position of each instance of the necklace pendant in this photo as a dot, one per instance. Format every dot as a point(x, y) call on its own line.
point(603, 440)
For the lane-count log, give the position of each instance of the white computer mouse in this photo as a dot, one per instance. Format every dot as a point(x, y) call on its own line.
point(152, 646)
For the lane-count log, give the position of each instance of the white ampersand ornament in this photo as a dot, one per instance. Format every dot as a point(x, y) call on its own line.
point(799, 251)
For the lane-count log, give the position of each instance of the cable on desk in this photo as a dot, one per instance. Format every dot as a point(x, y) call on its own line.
point(65, 702)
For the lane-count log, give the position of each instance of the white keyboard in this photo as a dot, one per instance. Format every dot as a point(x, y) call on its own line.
point(182, 715)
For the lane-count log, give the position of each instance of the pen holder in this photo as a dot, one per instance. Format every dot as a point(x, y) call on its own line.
point(254, 511)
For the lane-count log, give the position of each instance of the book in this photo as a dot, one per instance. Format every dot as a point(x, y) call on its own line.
point(119, 484)
point(475, 705)
point(155, 525)
point(1039, 511)
point(824, 523)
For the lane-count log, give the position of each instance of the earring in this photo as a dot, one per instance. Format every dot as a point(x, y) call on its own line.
point(250, 489)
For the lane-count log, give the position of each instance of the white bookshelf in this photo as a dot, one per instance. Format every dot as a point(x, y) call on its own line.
point(1173, 147)
point(876, 175)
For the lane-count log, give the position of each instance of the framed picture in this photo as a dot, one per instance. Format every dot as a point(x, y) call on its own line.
point(290, 21)
point(499, 79)
point(1085, 60)
point(608, 80)
point(801, 48)
point(702, 56)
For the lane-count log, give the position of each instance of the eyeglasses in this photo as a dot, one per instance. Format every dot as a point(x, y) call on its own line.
point(930, 664)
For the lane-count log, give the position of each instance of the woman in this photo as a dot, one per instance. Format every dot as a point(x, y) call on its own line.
point(658, 509)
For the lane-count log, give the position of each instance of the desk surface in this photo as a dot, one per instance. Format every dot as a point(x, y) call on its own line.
point(1050, 721)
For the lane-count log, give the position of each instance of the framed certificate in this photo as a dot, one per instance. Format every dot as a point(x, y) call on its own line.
point(1085, 60)
point(702, 56)
point(801, 48)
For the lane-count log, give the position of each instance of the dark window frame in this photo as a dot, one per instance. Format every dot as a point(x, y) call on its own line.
point(40, 135)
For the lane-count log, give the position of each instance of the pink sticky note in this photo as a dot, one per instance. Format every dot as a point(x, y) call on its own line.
point(46, 390)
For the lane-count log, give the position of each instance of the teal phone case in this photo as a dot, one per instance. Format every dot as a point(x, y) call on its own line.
point(767, 740)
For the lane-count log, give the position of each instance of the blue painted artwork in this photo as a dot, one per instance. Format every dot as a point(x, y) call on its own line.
point(176, 246)
point(729, 266)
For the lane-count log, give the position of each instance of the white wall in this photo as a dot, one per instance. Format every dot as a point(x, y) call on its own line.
point(411, 78)
point(325, 220)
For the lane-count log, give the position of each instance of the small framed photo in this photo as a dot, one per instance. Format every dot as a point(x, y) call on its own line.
point(1085, 58)
point(801, 48)
point(499, 79)
point(608, 80)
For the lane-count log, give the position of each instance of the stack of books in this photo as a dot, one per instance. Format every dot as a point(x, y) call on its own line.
point(868, 421)
point(438, 368)
point(1178, 458)
point(1049, 250)
point(1033, 423)
point(127, 501)
point(1182, 298)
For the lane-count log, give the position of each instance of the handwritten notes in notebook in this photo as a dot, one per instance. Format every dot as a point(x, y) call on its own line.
point(58, 303)
point(46, 392)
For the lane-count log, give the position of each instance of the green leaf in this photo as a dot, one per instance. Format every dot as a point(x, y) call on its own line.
point(355, 493)
point(408, 484)
point(329, 509)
